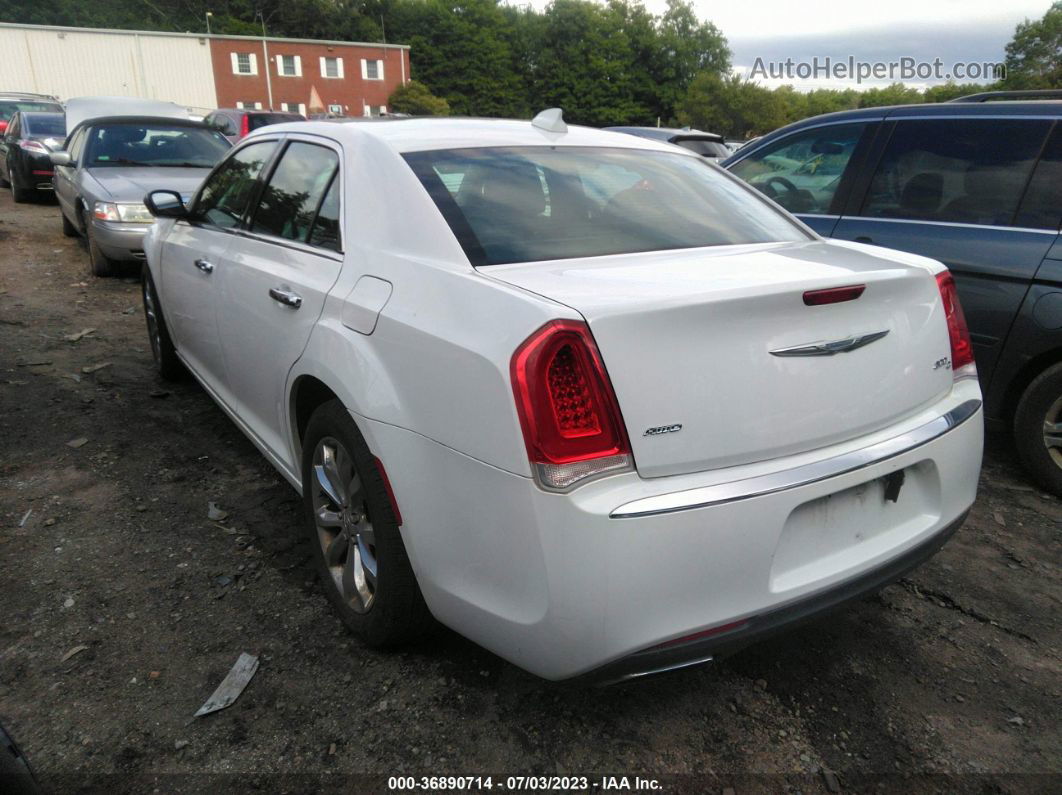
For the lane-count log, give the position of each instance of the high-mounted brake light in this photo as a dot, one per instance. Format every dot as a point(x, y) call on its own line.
point(833, 295)
point(962, 358)
point(568, 412)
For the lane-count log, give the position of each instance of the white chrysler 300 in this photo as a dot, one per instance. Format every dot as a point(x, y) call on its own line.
point(582, 397)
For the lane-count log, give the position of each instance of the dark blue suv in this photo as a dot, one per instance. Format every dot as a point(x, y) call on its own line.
point(974, 184)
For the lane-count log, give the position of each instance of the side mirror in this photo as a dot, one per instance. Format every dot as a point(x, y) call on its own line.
point(165, 204)
point(60, 158)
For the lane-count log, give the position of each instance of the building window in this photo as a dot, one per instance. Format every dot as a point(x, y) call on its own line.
point(332, 67)
point(372, 69)
point(374, 110)
point(293, 107)
point(244, 63)
point(248, 104)
point(289, 66)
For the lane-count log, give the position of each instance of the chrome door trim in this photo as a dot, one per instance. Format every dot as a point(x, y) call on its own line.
point(760, 485)
point(998, 228)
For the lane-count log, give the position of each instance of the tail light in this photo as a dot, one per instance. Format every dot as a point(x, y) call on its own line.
point(33, 146)
point(568, 412)
point(962, 358)
point(245, 125)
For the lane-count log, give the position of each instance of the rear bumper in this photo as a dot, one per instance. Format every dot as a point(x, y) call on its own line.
point(560, 586)
point(757, 628)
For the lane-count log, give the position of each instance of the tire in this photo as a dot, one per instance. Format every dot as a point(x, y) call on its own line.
point(4, 183)
point(167, 362)
point(69, 230)
point(20, 195)
point(386, 610)
point(15, 772)
point(1038, 429)
point(101, 264)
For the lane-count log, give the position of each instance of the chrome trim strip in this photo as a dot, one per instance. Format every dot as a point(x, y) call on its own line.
point(661, 670)
point(760, 485)
point(876, 219)
point(831, 348)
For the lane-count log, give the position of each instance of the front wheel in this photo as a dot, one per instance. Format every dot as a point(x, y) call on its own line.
point(357, 546)
point(102, 265)
point(166, 360)
point(69, 230)
point(1038, 429)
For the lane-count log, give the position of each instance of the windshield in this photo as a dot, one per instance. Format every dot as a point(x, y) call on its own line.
point(51, 125)
point(527, 204)
point(256, 120)
point(9, 107)
point(154, 144)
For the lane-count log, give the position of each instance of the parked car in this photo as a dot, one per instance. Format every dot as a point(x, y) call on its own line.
point(600, 408)
point(24, 163)
point(703, 143)
point(235, 123)
point(110, 163)
point(974, 184)
point(11, 102)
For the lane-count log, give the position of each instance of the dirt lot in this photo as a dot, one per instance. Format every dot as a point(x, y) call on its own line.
point(948, 681)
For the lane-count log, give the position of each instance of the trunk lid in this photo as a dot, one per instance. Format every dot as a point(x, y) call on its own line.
point(687, 338)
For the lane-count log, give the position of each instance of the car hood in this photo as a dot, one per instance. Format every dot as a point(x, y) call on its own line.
point(132, 184)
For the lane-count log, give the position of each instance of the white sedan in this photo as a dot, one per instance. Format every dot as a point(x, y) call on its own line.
point(582, 397)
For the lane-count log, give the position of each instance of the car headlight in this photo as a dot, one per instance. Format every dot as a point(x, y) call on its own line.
point(126, 213)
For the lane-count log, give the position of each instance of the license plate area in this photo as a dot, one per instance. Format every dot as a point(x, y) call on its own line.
point(844, 530)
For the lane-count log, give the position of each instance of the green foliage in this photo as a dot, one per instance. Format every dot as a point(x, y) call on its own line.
point(732, 106)
point(415, 99)
point(1034, 55)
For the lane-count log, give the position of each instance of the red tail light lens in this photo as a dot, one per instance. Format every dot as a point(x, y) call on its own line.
point(962, 357)
point(245, 125)
point(833, 295)
point(568, 412)
point(33, 146)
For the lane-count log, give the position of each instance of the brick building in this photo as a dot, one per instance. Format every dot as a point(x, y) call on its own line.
point(203, 72)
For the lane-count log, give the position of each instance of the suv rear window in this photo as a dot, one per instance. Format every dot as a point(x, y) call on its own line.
point(256, 120)
point(526, 204)
point(971, 171)
point(9, 107)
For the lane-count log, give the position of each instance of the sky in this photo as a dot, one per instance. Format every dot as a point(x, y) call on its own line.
point(953, 30)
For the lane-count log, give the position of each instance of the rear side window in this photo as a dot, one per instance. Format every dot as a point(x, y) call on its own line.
point(325, 232)
point(970, 171)
point(228, 191)
point(222, 124)
point(526, 204)
point(295, 191)
point(1041, 208)
point(802, 171)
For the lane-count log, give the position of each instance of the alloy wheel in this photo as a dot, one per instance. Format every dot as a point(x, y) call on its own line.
point(1053, 431)
point(344, 528)
point(151, 313)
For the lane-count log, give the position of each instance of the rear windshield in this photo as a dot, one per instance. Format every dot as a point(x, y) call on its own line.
point(256, 120)
point(703, 147)
point(526, 204)
point(52, 125)
point(154, 144)
point(9, 107)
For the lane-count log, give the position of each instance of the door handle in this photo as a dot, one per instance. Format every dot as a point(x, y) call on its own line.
point(204, 266)
point(286, 297)
point(864, 239)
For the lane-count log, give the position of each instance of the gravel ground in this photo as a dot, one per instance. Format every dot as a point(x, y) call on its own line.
point(124, 607)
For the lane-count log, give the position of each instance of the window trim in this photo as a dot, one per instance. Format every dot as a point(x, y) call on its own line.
point(339, 67)
point(252, 60)
point(379, 69)
point(243, 229)
point(296, 65)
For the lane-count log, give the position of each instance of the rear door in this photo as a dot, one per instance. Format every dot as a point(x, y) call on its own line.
point(275, 283)
point(64, 176)
point(194, 260)
point(809, 172)
point(950, 188)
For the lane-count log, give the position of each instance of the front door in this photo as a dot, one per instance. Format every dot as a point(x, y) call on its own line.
point(194, 259)
point(275, 283)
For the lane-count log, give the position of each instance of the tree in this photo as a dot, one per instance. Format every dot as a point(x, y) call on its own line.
point(1034, 55)
point(415, 99)
point(731, 106)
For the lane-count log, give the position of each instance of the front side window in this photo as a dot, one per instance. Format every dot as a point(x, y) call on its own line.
point(154, 144)
point(969, 171)
point(226, 194)
point(525, 204)
point(291, 198)
point(802, 171)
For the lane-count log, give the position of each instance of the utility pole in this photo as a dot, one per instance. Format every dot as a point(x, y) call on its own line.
point(209, 14)
point(265, 57)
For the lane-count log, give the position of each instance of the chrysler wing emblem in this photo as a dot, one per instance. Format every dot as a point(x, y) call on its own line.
point(829, 348)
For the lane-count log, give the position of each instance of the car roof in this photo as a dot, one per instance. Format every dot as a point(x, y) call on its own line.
point(1047, 109)
point(251, 111)
point(423, 134)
